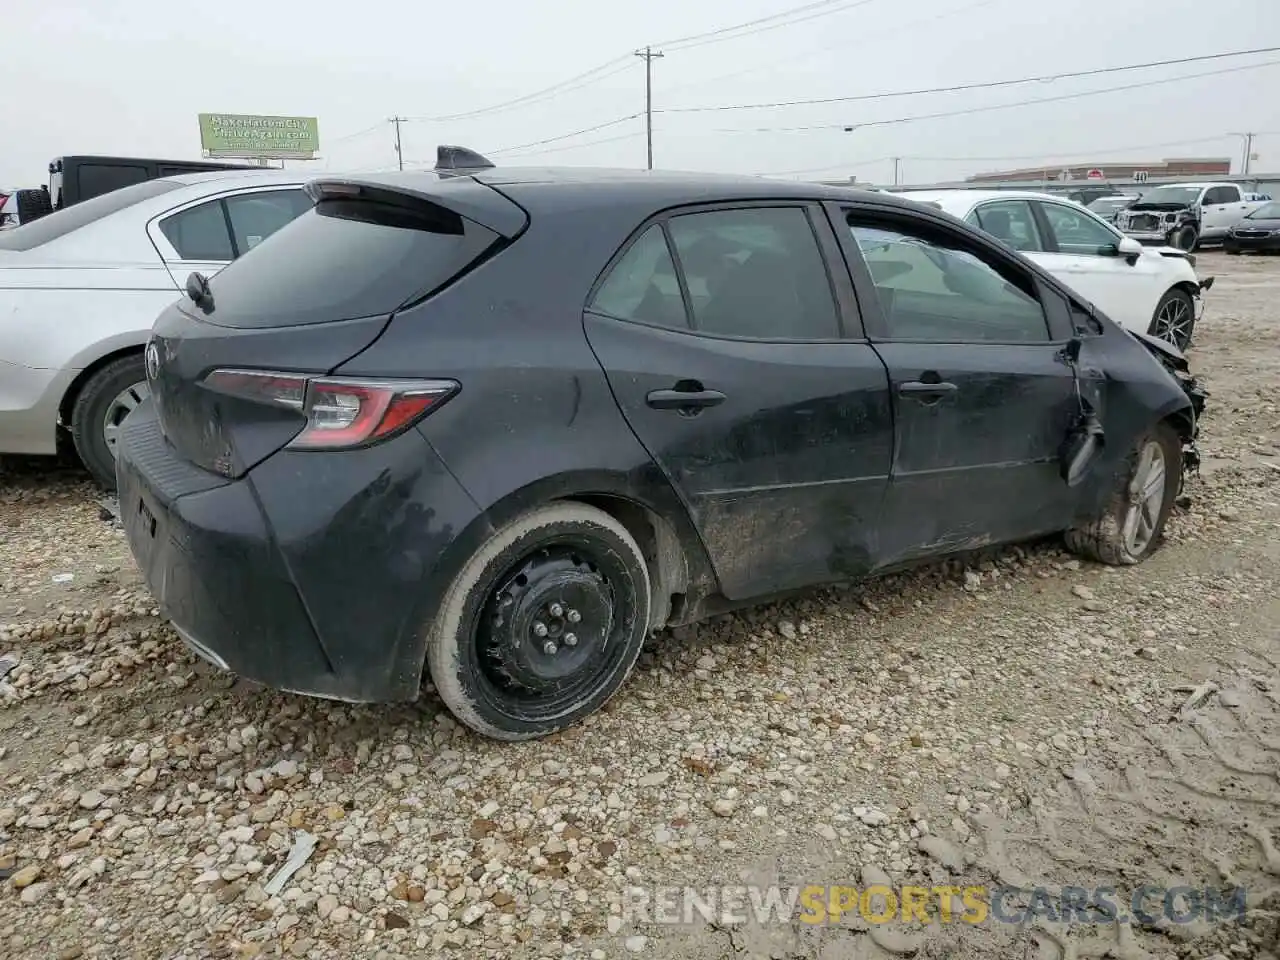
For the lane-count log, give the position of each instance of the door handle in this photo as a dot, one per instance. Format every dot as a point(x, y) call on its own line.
point(918, 388)
point(684, 399)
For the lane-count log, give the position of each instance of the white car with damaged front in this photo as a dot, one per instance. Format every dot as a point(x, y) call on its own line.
point(1151, 290)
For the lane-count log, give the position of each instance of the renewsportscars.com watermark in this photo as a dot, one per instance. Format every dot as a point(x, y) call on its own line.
point(879, 904)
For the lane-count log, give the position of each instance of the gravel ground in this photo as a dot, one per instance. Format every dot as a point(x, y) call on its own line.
point(1014, 717)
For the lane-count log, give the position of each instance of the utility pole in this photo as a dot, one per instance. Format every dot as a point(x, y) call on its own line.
point(649, 57)
point(1248, 151)
point(396, 121)
point(895, 170)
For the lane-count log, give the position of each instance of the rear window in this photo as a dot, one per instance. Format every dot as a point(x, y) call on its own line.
point(61, 222)
point(345, 259)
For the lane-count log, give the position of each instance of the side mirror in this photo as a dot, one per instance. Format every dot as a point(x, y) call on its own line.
point(1129, 247)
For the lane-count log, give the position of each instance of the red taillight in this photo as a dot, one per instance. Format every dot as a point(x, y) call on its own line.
point(341, 412)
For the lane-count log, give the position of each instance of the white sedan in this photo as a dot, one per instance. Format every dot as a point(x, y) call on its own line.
point(1151, 290)
point(80, 288)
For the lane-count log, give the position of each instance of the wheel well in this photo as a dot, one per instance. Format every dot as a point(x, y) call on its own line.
point(73, 392)
point(1187, 287)
point(668, 567)
point(1183, 422)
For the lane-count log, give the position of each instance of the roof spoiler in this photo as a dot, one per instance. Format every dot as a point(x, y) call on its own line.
point(459, 161)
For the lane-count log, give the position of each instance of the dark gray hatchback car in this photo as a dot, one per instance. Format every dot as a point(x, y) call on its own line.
point(490, 428)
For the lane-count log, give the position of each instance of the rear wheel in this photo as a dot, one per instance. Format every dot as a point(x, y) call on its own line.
point(32, 205)
point(105, 400)
point(543, 623)
point(1174, 319)
point(1131, 526)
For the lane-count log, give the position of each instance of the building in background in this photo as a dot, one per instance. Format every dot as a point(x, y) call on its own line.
point(1198, 168)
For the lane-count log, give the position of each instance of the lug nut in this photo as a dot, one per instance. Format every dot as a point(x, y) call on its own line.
point(573, 616)
point(549, 648)
point(570, 639)
point(539, 629)
point(557, 610)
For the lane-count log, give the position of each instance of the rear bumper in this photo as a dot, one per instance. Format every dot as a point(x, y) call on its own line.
point(303, 575)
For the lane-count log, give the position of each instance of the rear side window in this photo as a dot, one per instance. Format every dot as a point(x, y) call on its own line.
point(223, 229)
point(61, 222)
point(256, 216)
point(199, 233)
point(642, 286)
point(344, 259)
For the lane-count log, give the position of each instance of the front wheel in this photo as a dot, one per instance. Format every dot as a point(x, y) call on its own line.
point(1145, 485)
point(105, 400)
point(1185, 238)
point(1174, 318)
point(543, 624)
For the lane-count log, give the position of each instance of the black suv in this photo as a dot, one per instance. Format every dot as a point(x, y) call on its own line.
point(491, 428)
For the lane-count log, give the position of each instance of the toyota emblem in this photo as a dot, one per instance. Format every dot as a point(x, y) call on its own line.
point(153, 360)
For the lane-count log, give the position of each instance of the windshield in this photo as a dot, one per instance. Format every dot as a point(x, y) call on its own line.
point(1270, 212)
point(1184, 195)
point(61, 222)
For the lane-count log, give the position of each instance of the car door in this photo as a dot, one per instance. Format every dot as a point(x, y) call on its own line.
point(973, 342)
point(1083, 252)
point(736, 355)
point(207, 234)
point(1222, 207)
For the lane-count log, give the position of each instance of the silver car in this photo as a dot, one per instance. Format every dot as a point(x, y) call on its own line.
point(81, 287)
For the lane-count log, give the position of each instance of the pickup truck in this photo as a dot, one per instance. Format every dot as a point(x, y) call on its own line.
point(1184, 214)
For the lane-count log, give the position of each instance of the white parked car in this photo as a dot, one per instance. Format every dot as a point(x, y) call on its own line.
point(1152, 290)
point(81, 287)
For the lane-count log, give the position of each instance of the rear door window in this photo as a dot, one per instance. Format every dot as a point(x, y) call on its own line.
point(344, 259)
point(756, 272)
point(1012, 222)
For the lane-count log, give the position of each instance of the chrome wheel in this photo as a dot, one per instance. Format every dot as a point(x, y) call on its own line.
point(120, 407)
point(1174, 321)
point(1146, 498)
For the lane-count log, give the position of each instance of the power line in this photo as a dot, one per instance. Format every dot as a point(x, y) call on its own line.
point(621, 63)
point(1051, 158)
point(763, 24)
point(861, 39)
point(565, 136)
point(358, 133)
point(587, 78)
point(998, 106)
point(576, 146)
point(984, 85)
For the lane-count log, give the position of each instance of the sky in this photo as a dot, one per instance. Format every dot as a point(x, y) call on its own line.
point(128, 77)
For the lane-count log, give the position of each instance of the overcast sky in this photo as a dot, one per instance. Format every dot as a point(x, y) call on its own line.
point(128, 77)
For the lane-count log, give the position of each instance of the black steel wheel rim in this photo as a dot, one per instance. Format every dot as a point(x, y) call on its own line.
point(553, 628)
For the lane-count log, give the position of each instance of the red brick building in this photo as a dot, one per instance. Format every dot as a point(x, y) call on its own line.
point(1185, 168)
